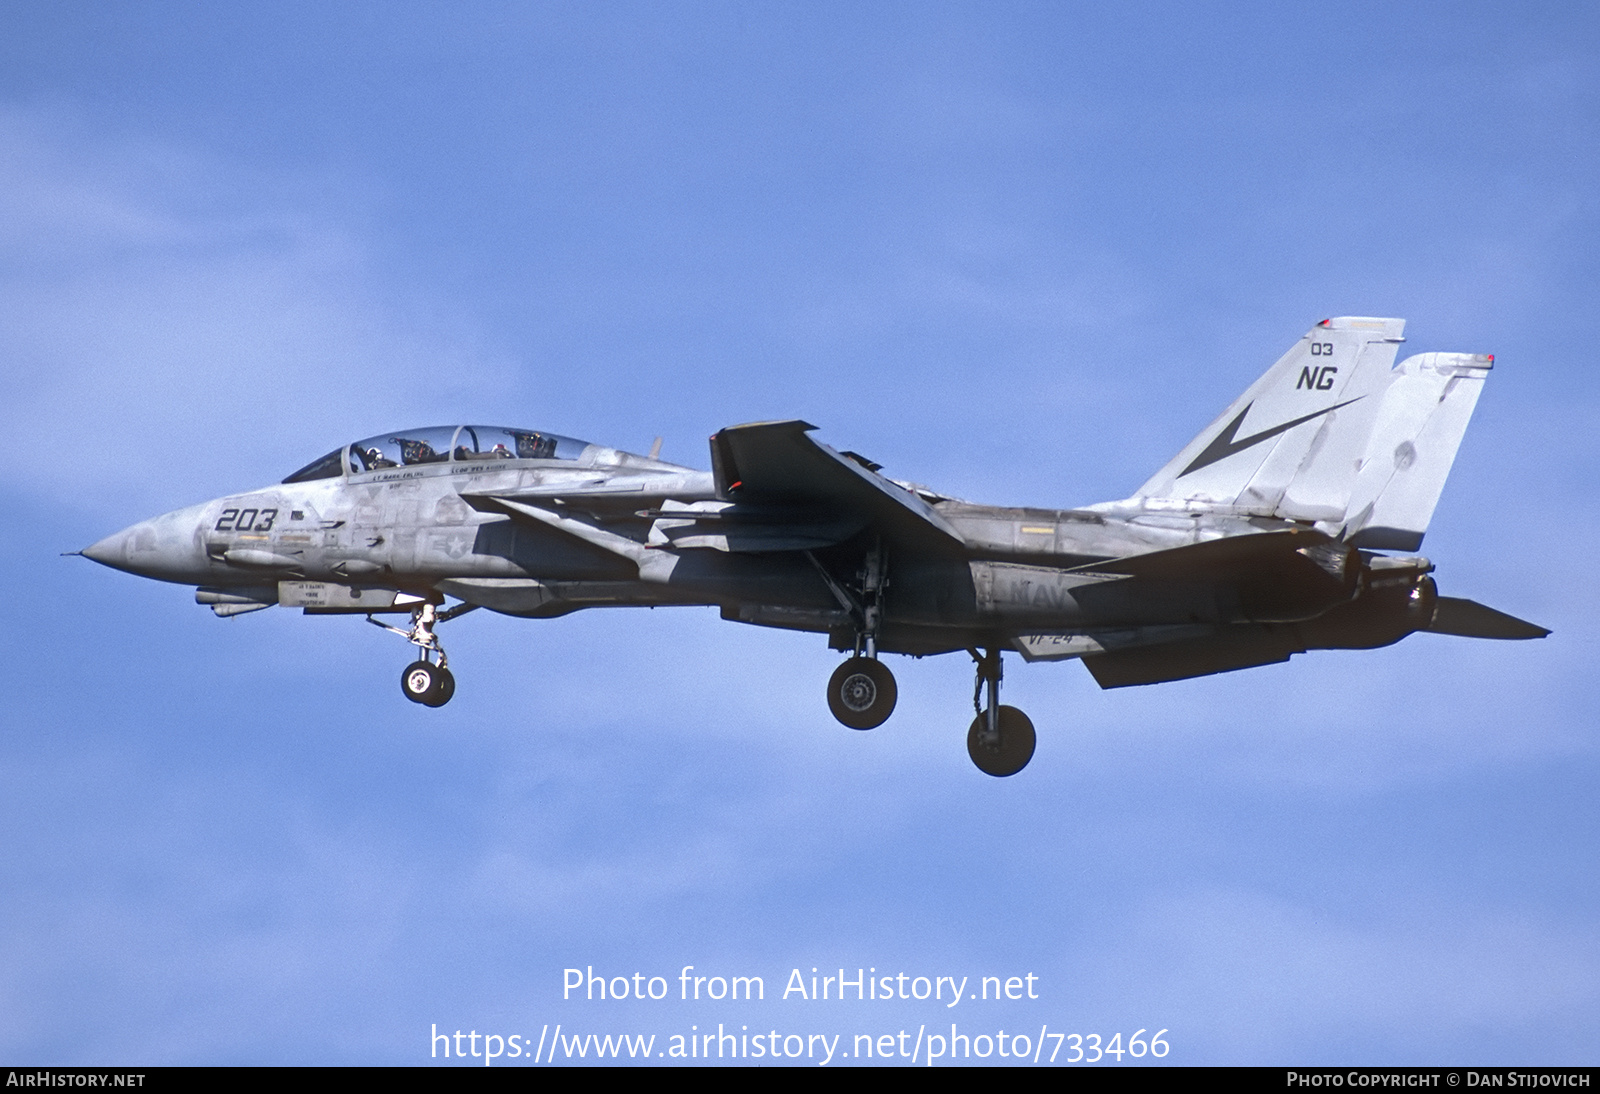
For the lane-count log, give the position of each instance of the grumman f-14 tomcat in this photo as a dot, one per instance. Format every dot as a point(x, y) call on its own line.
point(1288, 524)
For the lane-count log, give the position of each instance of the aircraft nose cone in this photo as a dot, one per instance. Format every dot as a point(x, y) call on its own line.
point(111, 551)
point(165, 548)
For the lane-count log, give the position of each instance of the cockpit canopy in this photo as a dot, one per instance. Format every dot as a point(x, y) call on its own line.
point(440, 444)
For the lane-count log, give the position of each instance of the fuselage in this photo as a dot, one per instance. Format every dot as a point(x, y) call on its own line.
point(358, 532)
point(1259, 540)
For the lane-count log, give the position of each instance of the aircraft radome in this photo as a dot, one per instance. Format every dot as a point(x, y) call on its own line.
point(1288, 524)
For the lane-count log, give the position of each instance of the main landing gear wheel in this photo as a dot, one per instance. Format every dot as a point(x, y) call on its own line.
point(1008, 755)
point(862, 693)
point(426, 683)
point(1001, 738)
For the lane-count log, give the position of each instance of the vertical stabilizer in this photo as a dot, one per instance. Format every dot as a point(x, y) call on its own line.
point(1419, 426)
point(1290, 446)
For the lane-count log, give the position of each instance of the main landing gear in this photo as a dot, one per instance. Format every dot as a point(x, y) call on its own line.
point(1001, 739)
point(428, 681)
point(862, 693)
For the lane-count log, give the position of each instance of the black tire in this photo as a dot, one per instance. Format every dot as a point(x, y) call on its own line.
point(443, 689)
point(862, 693)
point(1017, 740)
point(420, 681)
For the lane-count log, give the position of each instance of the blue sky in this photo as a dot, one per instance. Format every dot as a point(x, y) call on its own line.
point(1021, 253)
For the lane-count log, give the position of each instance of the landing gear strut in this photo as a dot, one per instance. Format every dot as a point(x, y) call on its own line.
point(429, 680)
point(1001, 739)
point(862, 692)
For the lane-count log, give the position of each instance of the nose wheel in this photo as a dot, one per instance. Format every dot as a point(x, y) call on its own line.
point(427, 681)
point(862, 693)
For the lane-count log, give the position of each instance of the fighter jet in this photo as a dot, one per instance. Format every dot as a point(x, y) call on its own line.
point(1288, 524)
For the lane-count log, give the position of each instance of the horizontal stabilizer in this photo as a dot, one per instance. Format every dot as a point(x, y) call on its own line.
point(1469, 619)
point(1225, 651)
point(1217, 559)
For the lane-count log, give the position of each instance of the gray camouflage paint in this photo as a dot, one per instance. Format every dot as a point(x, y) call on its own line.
point(543, 537)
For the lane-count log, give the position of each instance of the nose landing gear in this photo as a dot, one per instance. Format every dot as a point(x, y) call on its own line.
point(1001, 739)
point(427, 681)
